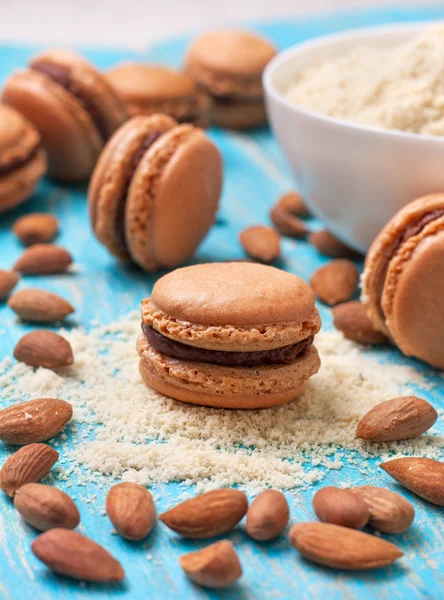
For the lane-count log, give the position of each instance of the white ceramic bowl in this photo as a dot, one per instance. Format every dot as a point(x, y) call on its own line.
point(353, 177)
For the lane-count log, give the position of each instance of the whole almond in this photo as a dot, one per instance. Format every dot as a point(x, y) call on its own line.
point(397, 419)
point(352, 320)
point(293, 203)
point(216, 566)
point(45, 507)
point(43, 259)
point(422, 476)
point(342, 548)
point(8, 281)
point(207, 515)
point(389, 512)
point(328, 245)
point(36, 228)
point(131, 510)
point(44, 349)
point(267, 515)
point(287, 223)
point(340, 507)
point(27, 465)
point(33, 421)
point(261, 243)
point(335, 282)
point(74, 555)
point(39, 306)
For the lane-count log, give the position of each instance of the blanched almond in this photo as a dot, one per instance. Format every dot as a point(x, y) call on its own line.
point(36, 228)
point(131, 510)
point(340, 507)
point(44, 349)
point(389, 512)
point(422, 476)
point(216, 566)
point(261, 243)
point(335, 282)
point(39, 306)
point(43, 259)
point(8, 281)
point(45, 507)
point(267, 515)
point(27, 465)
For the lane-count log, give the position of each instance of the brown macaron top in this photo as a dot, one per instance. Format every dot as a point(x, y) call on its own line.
point(403, 283)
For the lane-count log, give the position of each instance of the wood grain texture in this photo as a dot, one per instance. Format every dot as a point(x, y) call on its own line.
point(256, 174)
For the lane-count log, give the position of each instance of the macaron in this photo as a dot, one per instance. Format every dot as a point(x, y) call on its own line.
point(403, 281)
point(72, 106)
point(151, 89)
point(229, 335)
point(154, 193)
point(22, 159)
point(228, 65)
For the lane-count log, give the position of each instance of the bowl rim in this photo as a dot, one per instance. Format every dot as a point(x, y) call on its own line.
point(396, 28)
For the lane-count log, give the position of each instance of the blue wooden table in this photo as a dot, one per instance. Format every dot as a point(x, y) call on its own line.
point(256, 173)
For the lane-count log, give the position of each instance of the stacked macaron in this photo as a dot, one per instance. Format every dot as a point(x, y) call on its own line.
point(228, 65)
point(232, 335)
point(403, 282)
point(152, 89)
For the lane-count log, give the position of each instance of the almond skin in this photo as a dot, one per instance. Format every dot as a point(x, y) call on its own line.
point(335, 282)
point(340, 507)
point(8, 281)
point(207, 515)
point(39, 306)
point(74, 555)
point(131, 510)
point(351, 319)
point(27, 465)
point(44, 349)
point(267, 516)
point(389, 512)
point(33, 421)
point(45, 507)
point(36, 228)
point(216, 566)
point(422, 476)
point(342, 548)
point(287, 223)
point(293, 203)
point(328, 245)
point(261, 243)
point(402, 418)
point(43, 259)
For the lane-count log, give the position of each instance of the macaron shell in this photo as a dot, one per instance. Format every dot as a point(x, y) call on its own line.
point(173, 197)
point(18, 138)
point(238, 115)
point(110, 178)
point(19, 185)
point(413, 297)
point(52, 110)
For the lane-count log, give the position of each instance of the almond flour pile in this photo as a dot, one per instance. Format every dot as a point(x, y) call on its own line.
point(399, 88)
point(122, 429)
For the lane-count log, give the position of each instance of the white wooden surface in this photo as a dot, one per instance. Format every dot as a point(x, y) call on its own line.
point(134, 23)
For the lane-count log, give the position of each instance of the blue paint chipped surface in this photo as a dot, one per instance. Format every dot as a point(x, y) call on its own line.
point(256, 173)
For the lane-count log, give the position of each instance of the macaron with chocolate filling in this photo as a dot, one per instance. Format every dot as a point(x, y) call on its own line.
point(228, 65)
point(154, 193)
point(151, 89)
point(403, 281)
point(22, 159)
point(230, 335)
point(72, 106)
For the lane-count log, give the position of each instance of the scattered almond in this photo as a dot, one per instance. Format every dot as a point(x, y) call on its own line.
point(44, 349)
point(45, 507)
point(27, 465)
point(352, 320)
point(39, 306)
point(340, 507)
point(342, 548)
point(267, 515)
point(397, 419)
point(131, 510)
point(216, 566)
point(74, 555)
point(328, 245)
point(43, 259)
point(335, 282)
point(33, 421)
point(422, 476)
point(8, 281)
point(207, 515)
point(293, 203)
point(36, 228)
point(389, 512)
point(287, 223)
point(261, 243)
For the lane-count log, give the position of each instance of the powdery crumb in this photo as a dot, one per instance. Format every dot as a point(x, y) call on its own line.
point(127, 431)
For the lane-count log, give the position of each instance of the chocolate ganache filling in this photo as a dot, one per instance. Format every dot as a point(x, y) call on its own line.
point(17, 162)
point(62, 77)
point(173, 349)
